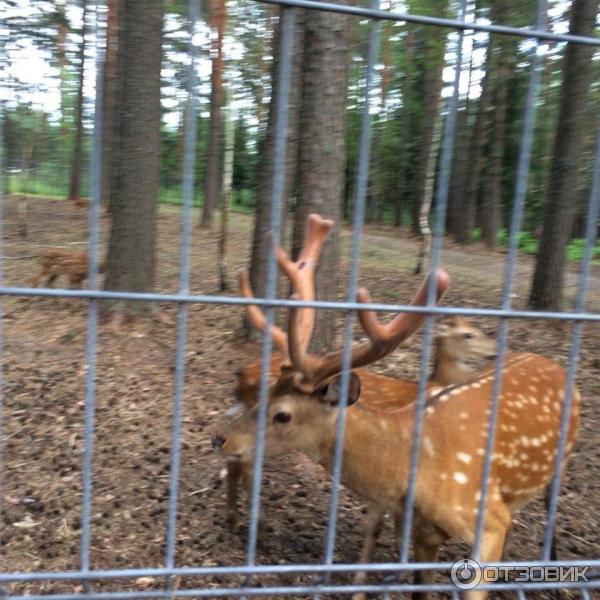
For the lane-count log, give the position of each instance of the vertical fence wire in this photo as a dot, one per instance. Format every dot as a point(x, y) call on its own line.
point(436, 247)
point(593, 215)
point(358, 220)
point(92, 316)
point(188, 173)
point(286, 31)
point(511, 259)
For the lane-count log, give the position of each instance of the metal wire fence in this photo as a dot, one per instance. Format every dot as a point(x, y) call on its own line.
point(389, 573)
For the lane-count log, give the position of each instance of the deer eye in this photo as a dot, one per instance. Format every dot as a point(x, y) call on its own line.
point(468, 336)
point(282, 417)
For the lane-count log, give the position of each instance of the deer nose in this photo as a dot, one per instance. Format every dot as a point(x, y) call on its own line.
point(218, 441)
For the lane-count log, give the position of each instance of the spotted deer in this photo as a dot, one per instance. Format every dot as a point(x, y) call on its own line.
point(55, 262)
point(461, 349)
point(303, 406)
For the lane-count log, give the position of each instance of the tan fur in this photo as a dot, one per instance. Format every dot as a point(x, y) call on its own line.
point(456, 359)
point(55, 262)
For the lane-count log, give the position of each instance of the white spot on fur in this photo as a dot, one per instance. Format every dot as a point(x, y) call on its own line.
point(460, 477)
point(464, 457)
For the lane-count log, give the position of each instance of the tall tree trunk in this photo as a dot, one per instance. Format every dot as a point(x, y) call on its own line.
point(460, 155)
point(492, 202)
point(260, 238)
point(218, 19)
point(425, 209)
point(459, 165)
point(110, 100)
point(226, 198)
point(131, 249)
point(547, 286)
point(468, 209)
point(75, 182)
point(434, 64)
point(404, 127)
point(321, 157)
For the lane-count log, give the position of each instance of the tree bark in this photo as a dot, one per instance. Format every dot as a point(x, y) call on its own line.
point(260, 238)
point(131, 249)
point(425, 209)
point(218, 19)
point(547, 285)
point(468, 209)
point(404, 126)
point(75, 181)
point(492, 202)
point(321, 158)
point(226, 199)
point(434, 64)
point(110, 100)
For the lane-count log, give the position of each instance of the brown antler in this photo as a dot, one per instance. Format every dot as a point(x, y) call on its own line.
point(383, 339)
point(301, 274)
point(257, 318)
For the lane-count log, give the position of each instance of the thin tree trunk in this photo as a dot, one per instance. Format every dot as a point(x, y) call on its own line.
point(434, 64)
point(321, 158)
point(226, 198)
point(492, 203)
point(260, 239)
point(75, 182)
point(110, 100)
point(547, 285)
point(211, 190)
point(425, 209)
point(468, 209)
point(131, 249)
point(400, 187)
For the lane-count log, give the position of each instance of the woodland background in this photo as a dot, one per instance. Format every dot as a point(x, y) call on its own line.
point(48, 123)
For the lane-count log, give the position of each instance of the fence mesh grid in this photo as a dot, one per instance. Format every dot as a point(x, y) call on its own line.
point(389, 573)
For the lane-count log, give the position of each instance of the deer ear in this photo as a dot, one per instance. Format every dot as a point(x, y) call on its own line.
point(330, 392)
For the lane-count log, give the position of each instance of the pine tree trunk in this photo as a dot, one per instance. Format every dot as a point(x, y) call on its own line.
point(321, 159)
point(226, 199)
point(547, 286)
point(434, 64)
point(492, 202)
point(425, 209)
point(75, 182)
point(468, 209)
point(400, 187)
point(110, 100)
point(211, 189)
point(131, 250)
point(260, 239)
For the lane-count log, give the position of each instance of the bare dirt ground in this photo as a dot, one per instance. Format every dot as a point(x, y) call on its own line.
point(44, 372)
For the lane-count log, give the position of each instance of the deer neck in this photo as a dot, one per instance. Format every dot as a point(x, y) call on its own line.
point(448, 370)
point(370, 435)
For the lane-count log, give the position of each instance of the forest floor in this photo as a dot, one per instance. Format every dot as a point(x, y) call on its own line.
point(44, 373)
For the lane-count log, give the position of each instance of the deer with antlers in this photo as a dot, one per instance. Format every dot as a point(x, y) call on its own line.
point(304, 401)
point(460, 351)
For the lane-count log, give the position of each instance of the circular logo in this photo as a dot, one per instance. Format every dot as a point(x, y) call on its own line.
point(466, 574)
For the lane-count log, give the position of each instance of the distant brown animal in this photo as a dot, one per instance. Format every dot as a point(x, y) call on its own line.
point(81, 202)
point(55, 262)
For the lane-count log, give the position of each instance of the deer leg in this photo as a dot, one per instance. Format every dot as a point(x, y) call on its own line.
point(426, 545)
point(234, 474)
point(51, 280)
point(36, 280)
point(492, 544)
point(373, 531)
